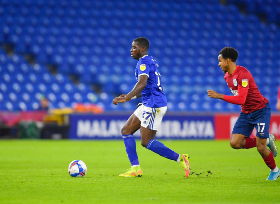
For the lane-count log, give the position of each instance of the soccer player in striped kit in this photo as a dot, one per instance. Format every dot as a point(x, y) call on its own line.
point(255, 110)
point(148, 116)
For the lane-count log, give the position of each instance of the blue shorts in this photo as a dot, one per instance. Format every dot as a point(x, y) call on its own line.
point(259, 119)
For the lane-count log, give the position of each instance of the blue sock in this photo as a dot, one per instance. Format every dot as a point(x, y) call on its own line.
point(130, 147)
point(162, 150)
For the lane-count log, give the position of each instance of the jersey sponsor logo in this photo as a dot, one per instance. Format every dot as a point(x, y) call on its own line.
point(234, 82)
point(244, 82)
point(142, 67)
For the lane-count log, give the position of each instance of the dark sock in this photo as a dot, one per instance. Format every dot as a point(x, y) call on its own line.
point(130, 147)
point(269, 160)
point(250, 143)
point(162, 150)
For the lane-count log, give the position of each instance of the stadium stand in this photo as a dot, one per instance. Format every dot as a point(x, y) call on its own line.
point(90, 41)
point(269, 9)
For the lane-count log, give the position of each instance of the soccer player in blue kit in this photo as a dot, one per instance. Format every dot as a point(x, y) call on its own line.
point(148, 116)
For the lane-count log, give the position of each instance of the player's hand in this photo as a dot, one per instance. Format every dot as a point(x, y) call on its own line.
point(120, 99)
point(214, 94)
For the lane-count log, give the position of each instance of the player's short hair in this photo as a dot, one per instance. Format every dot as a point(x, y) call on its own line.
point(229, 52)
point(142, 42)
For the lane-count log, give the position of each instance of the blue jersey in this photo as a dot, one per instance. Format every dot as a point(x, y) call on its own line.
point(152, 94)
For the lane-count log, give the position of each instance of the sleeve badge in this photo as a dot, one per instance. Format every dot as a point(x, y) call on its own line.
point(244, 82)
point(234, 82)
point(142, 67)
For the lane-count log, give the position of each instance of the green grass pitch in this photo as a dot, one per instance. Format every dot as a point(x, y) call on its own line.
point(35, 171)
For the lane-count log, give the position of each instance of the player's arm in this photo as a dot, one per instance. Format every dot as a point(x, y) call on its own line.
point(136, 91)
point(139, 86)
point(278, 100)
point(214, 94)
point(278, 104)
point(239, 99)
point(137, 96)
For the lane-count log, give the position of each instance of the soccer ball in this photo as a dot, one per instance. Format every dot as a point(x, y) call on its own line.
point(77, 168)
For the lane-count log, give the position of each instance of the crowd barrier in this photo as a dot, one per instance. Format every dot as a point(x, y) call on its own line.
point(88, 126)
point(211, 127)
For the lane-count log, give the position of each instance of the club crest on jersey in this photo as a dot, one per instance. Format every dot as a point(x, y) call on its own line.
point(142, 67)
point(234, 82)
point(244, 82)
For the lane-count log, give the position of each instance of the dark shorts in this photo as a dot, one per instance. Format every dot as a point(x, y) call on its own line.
point(259, 119)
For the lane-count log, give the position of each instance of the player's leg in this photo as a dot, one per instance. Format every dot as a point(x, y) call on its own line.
point(130, 127)
point(237, 141)
point(261, 147)
point(148, 141)
point(262, 120)
point(244, 141)
point(268, 158)
point(270, 143)
point(240, 137)
point(271, 138)
point(151, 120)
point(240, 141)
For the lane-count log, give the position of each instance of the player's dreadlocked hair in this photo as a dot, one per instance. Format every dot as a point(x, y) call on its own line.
point(229, 52)
point(142, 42)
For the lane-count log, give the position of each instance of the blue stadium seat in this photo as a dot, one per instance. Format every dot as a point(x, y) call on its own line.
point(186, 45)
